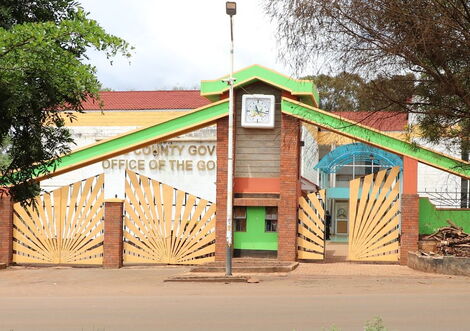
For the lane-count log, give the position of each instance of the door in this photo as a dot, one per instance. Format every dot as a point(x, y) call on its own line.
point(341, 217)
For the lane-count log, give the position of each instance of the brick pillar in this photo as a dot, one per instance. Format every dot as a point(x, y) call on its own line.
point(221, 189)
point(289, 187)
point(113, 240)
point(6, 229)
point(409, 210)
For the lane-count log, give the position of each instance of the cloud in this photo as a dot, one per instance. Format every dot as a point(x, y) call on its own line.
point(179, 43)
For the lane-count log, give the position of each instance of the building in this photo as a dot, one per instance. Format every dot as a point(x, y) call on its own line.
point(165, 171)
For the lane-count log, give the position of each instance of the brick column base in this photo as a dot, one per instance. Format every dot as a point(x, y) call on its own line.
point(409, 226)
point(221, 190)
point(113, 235)
point(6, 230)
point(290, 189)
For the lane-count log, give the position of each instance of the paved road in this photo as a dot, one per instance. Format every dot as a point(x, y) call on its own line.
point(313, 297)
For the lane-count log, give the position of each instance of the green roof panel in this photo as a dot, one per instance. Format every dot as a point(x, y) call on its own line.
point(305, 89)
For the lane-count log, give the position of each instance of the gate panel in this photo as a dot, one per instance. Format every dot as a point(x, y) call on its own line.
point(64, 226)
point(166, 225)
point(374, 207)
point(311, 227)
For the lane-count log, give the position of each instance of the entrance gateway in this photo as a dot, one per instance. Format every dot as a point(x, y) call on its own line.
point(275, 214)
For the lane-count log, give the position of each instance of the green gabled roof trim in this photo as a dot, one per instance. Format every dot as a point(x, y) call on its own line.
point(305, 89)
point(139, 138)
point(374, 137)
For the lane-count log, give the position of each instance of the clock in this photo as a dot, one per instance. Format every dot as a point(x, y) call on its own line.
point(257, 111)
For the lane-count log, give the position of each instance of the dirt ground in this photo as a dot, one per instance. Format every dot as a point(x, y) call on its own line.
point(315, 296)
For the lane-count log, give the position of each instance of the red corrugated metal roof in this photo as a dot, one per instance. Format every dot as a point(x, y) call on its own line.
point(191, 99)
point(140, 100)
point(380, 120)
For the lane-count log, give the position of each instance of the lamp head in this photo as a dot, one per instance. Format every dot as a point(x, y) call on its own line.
point(231, 8)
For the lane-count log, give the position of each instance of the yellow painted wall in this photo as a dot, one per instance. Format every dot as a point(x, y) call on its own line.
point(330, 138)
point(123, 118)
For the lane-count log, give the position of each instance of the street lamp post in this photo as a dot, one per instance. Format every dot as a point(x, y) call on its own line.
point(231, 10)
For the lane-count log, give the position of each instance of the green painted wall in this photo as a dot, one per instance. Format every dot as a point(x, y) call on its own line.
point(255, 237)
point(430, 218)
point(337, 193)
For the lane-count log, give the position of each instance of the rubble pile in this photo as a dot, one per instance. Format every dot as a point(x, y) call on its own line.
point(451, 240)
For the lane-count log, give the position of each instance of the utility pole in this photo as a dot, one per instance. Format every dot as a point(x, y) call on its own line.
point(231, 10)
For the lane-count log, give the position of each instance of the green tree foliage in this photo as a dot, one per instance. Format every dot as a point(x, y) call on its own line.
point(43, 70)
point(350, 92)
point(423, 43)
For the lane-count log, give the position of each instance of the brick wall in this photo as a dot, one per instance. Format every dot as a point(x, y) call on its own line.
point(6, 230)
point(409, 225)
point(113, 240)
point(290, 188)
point(221, 189)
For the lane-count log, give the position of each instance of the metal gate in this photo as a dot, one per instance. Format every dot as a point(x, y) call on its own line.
point(311, 227)
point(166, 225)
point(374, 226)
point(64, 226)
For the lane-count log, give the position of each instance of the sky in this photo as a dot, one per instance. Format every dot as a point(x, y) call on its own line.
point(178, 43)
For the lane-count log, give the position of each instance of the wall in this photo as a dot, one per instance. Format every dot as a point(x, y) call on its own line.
point(187, 163)
point(431, 218)
point(309, 153)
point(431, 179)
point(257, 151)
point(255, 237)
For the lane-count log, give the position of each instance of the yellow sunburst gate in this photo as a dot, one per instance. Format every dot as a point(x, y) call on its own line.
point(165, 225)
point(374, 206)
point(64, 227)
point(311, 227)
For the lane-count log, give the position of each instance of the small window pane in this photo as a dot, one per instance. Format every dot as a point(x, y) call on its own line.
point(240, 225)
point(239, 212)
point(271, 213)
point(271, 226)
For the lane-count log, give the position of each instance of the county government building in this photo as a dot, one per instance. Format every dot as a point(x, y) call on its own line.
point(150, 169)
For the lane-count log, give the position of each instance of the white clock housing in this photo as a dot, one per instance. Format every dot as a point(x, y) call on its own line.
point(257, 111)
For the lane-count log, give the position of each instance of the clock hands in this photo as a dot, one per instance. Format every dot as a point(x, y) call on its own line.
point(259, 111)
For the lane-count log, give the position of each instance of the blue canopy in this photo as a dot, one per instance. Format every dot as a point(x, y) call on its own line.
point(357, 152)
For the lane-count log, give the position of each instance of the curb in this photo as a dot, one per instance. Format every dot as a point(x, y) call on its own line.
point(248, 268)
point(208, 279)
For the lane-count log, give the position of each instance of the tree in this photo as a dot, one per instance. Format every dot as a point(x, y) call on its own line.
point(348, 91)
point(43, 70)
point(390, 39)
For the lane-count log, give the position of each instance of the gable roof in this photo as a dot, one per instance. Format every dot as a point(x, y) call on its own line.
point(146, 100)
point(374, 137)
point(208, 115)
point(305, 89)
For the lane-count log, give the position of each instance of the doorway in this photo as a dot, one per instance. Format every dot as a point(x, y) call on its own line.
point(341, 217)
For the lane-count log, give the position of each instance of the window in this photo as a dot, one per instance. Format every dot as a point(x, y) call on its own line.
point(239, 217)
point(271, 219)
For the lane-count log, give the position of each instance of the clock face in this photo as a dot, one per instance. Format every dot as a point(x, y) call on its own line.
point(258, 111)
